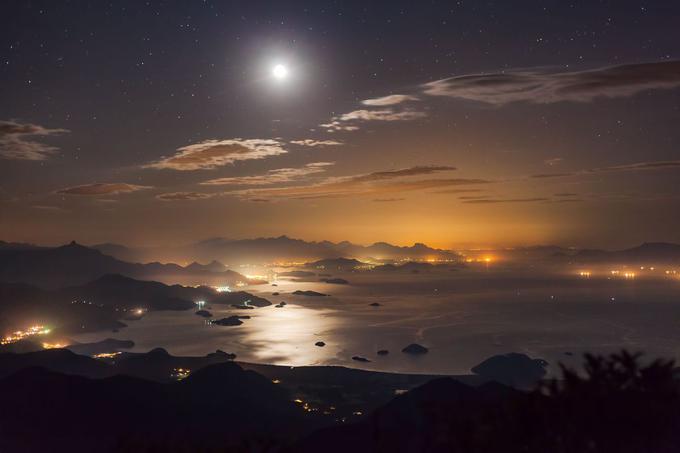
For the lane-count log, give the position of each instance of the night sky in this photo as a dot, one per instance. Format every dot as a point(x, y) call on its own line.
point(458, 124)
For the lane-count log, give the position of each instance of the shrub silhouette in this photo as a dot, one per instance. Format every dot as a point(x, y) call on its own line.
point(616, 404)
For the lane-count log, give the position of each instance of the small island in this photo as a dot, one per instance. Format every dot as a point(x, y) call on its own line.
point(230, 321)
point(204, 313)
point(309, 293)
point(415, 349)
point(335, 281)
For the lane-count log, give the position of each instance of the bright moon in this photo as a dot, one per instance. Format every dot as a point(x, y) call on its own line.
point(280, 71)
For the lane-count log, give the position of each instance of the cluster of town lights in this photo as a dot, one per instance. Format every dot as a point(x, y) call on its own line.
point(615, 273)
point(257, 277)
point(46, 345)
point(22, 334)
point(180, 373)
point(106, 355)
point(627, 274)
point(482, 259)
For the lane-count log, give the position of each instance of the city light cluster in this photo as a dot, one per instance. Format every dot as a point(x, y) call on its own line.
point(106, 355)
point(46, 345)
point(305, 406)
point(264, 278)
point(480, 259)
point(180, 373)
point(23, 334)
point(629, 274)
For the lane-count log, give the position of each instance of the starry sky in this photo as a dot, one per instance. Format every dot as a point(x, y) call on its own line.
point(458, 124)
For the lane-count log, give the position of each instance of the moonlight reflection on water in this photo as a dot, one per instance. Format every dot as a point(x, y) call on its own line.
point(287, 335)
point(283, 336)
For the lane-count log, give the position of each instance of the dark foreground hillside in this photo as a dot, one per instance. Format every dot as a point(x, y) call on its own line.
point(219, 408)
point(617, 405)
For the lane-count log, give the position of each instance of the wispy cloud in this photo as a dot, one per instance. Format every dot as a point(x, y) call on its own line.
point(504, 200)
point(554, 161)
point(49, 208)
point(184, 196)
point(552, 175)
point(16, 145)
point(392, 99)
point(542, 86)
point(377, 183)
point(276, 176)
point(651, 165)
point(381, 115)
point(102, 189)
point(638, 166)
point(418, 170)
point(316, 143)
point(217, 153)
point(567, 200)
point(349, 121)
point(487, 199)
point(474, 197)
point(455, 191)
point(387, 200)
point(335, 125)
point(349, 188)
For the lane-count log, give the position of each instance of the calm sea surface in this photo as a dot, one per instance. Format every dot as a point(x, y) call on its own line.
point(462, 318)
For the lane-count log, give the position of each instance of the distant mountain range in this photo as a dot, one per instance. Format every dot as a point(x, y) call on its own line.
point(268, 250)
point(647, 253)
point(17, 246)
point(74, 264)
point(335, 264)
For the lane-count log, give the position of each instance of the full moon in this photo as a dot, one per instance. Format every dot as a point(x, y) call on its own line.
point(280, 71)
